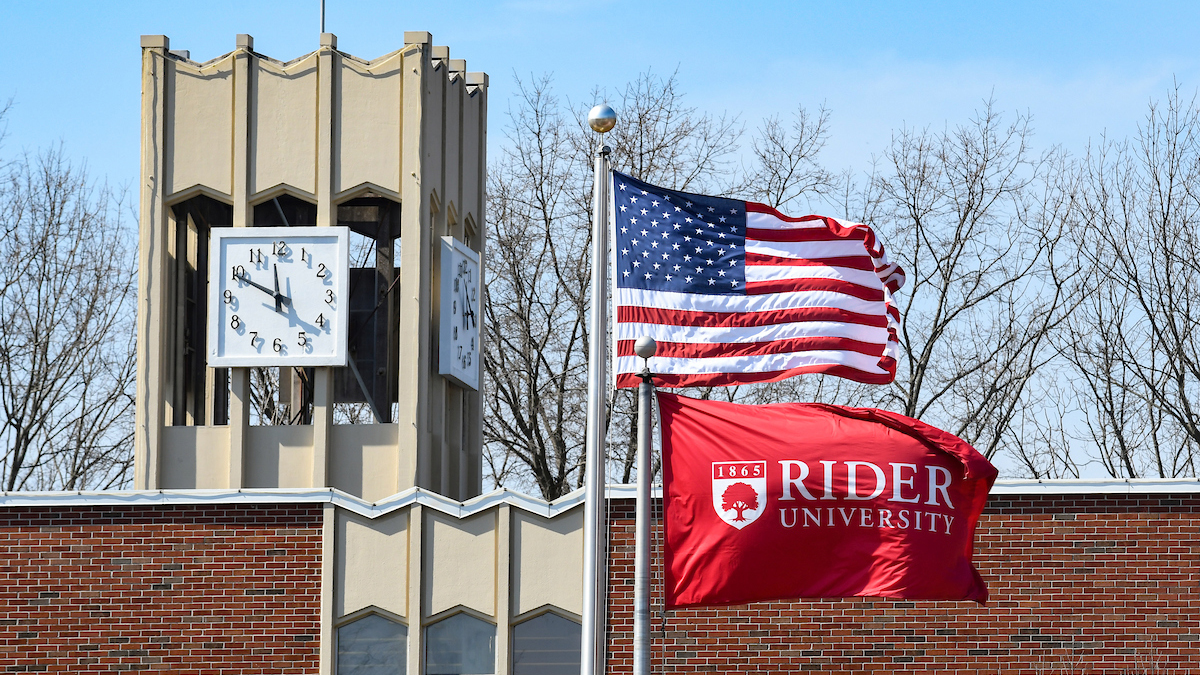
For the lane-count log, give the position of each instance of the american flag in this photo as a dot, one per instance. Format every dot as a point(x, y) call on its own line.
point(735, 292)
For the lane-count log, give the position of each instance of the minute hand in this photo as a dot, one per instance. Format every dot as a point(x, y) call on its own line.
point(277, 297)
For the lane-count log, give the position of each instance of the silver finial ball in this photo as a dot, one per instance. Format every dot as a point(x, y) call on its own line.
point(602, 118)
point(645, 347)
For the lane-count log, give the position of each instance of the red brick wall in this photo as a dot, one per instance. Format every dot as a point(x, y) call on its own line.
point(1079, 584)
point(196, 589)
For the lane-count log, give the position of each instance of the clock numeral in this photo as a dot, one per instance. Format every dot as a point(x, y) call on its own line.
point(321, 320)
point(472, 344)
point(228, 297)
point(235, 323)
point(279, 248)
point(253, 337)
point(302, 339)
point(303, 254)
point(454, 307)
point(321, 272)
point(277, 345)
point(460, 351)
point(256, 256)
point(238, 272)
point(456, 334)
point(329, 296)
point(455, 284)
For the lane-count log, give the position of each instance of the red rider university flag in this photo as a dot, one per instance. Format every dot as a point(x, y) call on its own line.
point(806, 500)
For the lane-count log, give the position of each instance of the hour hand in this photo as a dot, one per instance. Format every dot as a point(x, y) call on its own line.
point(276, 296)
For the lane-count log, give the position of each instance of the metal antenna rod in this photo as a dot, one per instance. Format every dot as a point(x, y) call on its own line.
point(322, 16)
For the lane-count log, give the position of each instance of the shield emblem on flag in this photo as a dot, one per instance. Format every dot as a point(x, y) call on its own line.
point(739, 491)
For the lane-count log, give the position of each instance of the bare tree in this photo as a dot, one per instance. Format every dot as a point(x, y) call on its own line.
point(66, 344)
point(1135, 345)
point(539, 265)
point(978, 224)
point(662, 140)
point(535, 350)
point(785, 160)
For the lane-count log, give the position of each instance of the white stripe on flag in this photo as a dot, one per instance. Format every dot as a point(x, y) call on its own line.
point(750, 364)
point(807, 250)
point(767, 221)
point(691, 302)
point(769, 272)
point(783, 331)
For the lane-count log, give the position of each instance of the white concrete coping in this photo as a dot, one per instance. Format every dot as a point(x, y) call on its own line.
point(505, 496)
point(296, 496)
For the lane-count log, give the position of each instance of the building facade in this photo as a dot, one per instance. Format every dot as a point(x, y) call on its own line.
point(1084, 577)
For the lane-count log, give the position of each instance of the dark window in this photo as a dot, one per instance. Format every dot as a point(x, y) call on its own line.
point(460, 645)
point(546, 645)
point(372, 645)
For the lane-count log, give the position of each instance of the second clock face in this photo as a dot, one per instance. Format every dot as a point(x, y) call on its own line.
point(278, 296)
point(459, 337)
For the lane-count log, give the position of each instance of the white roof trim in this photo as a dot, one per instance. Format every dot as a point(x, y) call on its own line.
point(504, 496)
point(296, 496)
point(1116, 486)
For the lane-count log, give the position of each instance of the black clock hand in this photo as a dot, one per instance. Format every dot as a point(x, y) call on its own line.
point(468, 310)
point(278, 304)
point(282, 298)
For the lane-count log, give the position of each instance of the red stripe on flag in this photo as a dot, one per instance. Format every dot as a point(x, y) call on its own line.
point(728, 379)
point(806, 234)
point(852, 263)
point(703, 350)
point(831, 285)
point(679, 317)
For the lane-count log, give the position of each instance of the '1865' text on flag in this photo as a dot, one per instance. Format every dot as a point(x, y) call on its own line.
point(736, 292)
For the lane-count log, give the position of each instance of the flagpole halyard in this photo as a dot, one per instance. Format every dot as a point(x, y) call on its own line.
point(601, 119)
point(645, 347)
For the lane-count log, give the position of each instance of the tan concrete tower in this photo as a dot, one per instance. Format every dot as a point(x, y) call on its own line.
point(394, 150)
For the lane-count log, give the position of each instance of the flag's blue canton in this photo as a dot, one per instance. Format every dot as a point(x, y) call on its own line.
point(675, 241)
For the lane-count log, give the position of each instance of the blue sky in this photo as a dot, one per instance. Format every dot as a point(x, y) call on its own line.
point(1081, 68)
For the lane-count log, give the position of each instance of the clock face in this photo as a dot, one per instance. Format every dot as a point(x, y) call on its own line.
point(278, 295)
point(461, 291)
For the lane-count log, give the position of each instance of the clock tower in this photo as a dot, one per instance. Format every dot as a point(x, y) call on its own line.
point(310, 270)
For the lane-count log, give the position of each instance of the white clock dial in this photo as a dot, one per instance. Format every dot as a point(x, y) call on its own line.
point(278, 295)
point(461, 293)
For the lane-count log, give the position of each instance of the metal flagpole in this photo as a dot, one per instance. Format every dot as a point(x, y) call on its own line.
point(601, 119)
point(645, 348)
